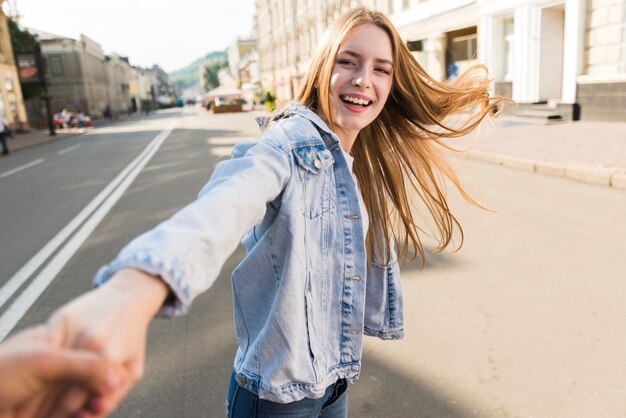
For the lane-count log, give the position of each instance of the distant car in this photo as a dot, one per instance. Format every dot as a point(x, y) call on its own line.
point(58, 120)
point(70, 120)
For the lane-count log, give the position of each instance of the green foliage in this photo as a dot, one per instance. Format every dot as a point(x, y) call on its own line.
point(188, 77)
point(186, 82)
point(210, 75)
point(268, 97)
point(23, 41)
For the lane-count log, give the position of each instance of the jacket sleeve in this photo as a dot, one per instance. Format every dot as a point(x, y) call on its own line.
point(187, 251)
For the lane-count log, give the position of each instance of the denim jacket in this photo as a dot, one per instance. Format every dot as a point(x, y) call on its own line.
point(305, 294)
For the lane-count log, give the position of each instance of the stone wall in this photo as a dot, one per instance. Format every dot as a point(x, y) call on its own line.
point(602, 101)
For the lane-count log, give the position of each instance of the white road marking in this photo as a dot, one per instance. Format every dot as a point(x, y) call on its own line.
point(22, 167)
point(69, 149)
point(114, 191)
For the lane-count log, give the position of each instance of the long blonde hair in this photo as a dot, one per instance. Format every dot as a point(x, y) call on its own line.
point(399, 155)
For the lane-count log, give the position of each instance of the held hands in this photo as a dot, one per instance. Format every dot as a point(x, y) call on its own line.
point(33, 366)
point(111, 321)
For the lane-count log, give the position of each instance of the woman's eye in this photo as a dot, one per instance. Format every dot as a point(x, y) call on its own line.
point(383, 70)
point(345, 62)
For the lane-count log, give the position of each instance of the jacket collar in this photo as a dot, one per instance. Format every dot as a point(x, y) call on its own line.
point(295, 108)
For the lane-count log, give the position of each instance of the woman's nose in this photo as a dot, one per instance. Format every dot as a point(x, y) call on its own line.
point(361, 79)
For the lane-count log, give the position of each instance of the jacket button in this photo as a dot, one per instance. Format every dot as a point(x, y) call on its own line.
point(241, 379)
point(317, 163)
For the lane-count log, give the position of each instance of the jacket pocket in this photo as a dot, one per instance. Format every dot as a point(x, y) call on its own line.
point(384, 316)
point(316, 176)
point(312, 341)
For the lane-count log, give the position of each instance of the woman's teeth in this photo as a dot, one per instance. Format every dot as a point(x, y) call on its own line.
point(355, 100)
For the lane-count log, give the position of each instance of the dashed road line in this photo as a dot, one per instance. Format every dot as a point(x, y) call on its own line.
point(69, 149)
point(22, 167)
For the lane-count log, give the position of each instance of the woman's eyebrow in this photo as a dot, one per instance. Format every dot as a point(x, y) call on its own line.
point(358, 56)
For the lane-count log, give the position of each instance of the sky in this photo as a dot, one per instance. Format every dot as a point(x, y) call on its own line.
point(170, 33)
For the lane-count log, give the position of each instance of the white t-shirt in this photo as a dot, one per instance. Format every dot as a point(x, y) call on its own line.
point(364, 216)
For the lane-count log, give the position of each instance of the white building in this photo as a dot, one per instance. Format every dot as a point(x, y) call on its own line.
point(287, 34)
point(569, 55)
point(236, 52)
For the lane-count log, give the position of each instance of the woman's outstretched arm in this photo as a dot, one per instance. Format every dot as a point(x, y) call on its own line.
point(164, 269)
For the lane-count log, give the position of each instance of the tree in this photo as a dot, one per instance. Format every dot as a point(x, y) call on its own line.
point(210, 75)
point(23, 41)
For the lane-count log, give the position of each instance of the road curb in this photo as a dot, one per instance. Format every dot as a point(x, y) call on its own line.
point(16, 143)
point(592, 175)
point(618, 180)
point(599, 176)
point(550, 169)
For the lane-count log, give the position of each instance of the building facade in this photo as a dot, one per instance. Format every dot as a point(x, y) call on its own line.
point(236, 52)
point(287, 34)
point(81, 77)
point(250, 77)
point(77, 75)
point(119, 77)
point(601, 86)
point(565, 54)
point(140, 90)
point(11, 99)
point(164, 90)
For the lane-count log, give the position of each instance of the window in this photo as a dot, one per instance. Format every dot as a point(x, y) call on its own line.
point(55, 64)
point(390, 7)
point(464, 47)
point(419, 50)
point(406, 4)
point(415, 45)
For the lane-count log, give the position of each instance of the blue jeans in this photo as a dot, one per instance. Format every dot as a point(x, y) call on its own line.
point(241, 403)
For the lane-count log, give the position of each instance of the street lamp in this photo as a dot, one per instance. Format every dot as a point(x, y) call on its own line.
point(45, 95)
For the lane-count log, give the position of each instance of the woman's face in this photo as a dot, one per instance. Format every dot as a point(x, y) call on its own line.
point(361, 80)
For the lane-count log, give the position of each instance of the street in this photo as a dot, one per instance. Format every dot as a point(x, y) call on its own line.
point(525, 320)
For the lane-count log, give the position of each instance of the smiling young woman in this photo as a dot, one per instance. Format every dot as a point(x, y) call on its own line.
point(396, 139)
point(322, 201)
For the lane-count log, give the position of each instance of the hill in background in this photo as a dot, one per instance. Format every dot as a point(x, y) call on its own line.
point(188, 78)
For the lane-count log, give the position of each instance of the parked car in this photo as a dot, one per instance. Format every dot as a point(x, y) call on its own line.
point(58, 120)
point(70, 120)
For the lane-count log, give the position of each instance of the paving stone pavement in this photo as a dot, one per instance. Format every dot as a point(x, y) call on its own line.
point(592, 152)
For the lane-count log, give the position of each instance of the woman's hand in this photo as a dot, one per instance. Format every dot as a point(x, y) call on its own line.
point(112, 321)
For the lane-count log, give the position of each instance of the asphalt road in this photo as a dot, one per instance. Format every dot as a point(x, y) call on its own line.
point(525, 320)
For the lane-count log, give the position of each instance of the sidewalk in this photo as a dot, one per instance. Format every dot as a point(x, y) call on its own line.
point(41, 136)
point(591, 152)
point(36, 137)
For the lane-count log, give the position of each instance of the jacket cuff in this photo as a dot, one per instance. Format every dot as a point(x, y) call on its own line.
point(177, 302)
point(396, 334)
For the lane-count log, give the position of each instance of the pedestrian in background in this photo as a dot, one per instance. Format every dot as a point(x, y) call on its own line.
point(4, 133)
point(324, 202)
point(81, 121)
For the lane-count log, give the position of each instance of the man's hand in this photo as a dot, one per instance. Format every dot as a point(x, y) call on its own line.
point(113, 322)
point(33, 367)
